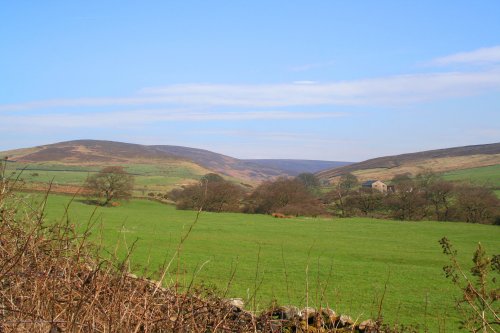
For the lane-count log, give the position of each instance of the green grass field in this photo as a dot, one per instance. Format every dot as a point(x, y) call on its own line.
point(148, 177)
point(489, 175)
point(361, 255)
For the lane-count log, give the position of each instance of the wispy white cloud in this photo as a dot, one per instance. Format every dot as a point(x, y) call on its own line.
point(486, 55)
point(84, 102)
point(142, 117)
point(394, 90)
point(384, 91)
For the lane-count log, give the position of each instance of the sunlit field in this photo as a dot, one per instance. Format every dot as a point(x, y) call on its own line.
point(342, 263)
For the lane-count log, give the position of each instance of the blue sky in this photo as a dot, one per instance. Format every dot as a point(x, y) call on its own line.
point(337, 80)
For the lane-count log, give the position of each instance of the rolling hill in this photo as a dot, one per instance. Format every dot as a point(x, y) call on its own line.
point(89, 155)
point(223, 164)
point(440, 160)
point(161, 167)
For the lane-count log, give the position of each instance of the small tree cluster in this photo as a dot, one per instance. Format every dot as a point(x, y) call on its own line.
point(367, 201)
point(310, 181)
point(283, 195)
point(426, 196)
point(212, 193)
point(477, 204)
point(287, 196)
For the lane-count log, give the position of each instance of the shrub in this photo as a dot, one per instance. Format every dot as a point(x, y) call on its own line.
point(479, 293)
point(288, 196)
point(213, 194)
point(477, 204)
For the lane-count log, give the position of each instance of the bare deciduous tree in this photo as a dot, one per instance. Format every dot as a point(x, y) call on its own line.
point(287, 196)
point(407, 203)
point(477, 204)
point(347, 183)
point(213, 193)
point(111, 183)
point(310, 181)
point(366, 200)
point(440, 195)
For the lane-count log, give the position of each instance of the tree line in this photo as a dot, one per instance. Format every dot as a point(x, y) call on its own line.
point(289, 196)
point(424, 197)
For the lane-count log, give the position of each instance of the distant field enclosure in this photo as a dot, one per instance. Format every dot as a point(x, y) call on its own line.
point(489, 175)
point(351, 259)
point(156, 178)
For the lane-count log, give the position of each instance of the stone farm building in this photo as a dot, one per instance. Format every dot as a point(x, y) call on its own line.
point(375, 184)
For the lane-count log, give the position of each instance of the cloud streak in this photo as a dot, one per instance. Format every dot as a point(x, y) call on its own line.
point(382, 91)
point(144, 117)
point(394, 90)
point(483, 56)
point(385, 91)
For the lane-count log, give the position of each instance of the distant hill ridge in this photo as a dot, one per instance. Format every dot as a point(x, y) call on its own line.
point(295, 167)
point(99, 152)
point(438, 160)
point(111, 152)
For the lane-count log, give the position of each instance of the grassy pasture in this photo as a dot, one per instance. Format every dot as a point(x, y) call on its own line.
point(44, 173)
point(362, 255)
point(148, 177)
point(489, 175)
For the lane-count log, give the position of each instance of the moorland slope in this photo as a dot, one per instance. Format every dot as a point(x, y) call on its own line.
point(440, 160)
point(100, 153)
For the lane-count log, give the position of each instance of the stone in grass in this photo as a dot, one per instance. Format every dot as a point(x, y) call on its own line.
point(319, 319)
point(345, 321)
point(330, 317)
point(237, 303)
point(286, 312)
point(308, 313)
point(368, 326)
